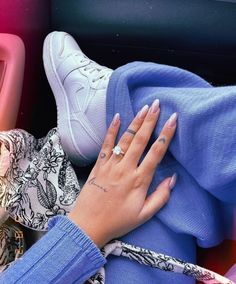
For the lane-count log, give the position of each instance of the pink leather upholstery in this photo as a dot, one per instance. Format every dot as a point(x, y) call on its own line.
point(12, 61)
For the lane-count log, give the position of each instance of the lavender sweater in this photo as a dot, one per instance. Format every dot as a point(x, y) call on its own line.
point(64, 255)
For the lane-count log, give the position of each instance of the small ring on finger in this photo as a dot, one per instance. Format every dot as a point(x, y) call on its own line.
point(131, 131)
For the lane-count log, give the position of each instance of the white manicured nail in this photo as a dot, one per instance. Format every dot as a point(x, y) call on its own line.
point(142, 113)
point(155, 106)
point(116, 119)
point(173, 181)
point(172, 120)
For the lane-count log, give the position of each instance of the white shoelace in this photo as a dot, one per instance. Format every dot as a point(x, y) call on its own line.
point(99, 72)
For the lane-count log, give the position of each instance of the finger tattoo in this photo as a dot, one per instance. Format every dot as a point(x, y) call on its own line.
point(102, 155)
point(162, 139)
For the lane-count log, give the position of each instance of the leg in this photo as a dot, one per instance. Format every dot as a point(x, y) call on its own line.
point(79, 86)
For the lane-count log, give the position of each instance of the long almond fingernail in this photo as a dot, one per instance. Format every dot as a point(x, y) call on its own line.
point(173, 181)
point(172, 120)
point(142, 113)
point(155, 106)
point(116, 119)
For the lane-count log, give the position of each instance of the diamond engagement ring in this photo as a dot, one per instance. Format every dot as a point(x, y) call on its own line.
point(117, 150)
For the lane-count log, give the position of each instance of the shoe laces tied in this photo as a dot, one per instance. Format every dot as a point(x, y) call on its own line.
point(99, 72)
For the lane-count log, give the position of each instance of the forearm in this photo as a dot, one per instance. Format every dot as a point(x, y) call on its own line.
point(64, 255)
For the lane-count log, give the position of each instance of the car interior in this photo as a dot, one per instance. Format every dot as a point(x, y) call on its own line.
point(197, 35)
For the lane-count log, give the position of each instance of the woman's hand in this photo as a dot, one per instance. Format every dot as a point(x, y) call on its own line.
point(113, 201)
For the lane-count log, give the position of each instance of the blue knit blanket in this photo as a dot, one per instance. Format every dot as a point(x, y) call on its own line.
point(202, 153)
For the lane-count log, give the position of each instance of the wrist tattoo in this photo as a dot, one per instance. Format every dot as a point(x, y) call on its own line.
point(92, 182)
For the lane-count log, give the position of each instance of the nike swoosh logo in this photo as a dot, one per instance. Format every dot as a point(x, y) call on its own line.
point(81, 88)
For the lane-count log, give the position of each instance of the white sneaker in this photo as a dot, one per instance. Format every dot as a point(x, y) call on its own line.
point(79, 86)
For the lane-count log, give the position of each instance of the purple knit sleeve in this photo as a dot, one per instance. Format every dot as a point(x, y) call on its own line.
point(64, 255)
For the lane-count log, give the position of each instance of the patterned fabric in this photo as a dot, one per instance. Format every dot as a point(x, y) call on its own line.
point(157, 260)
point(12, 244)
point(3, 214)
point(37, 182)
